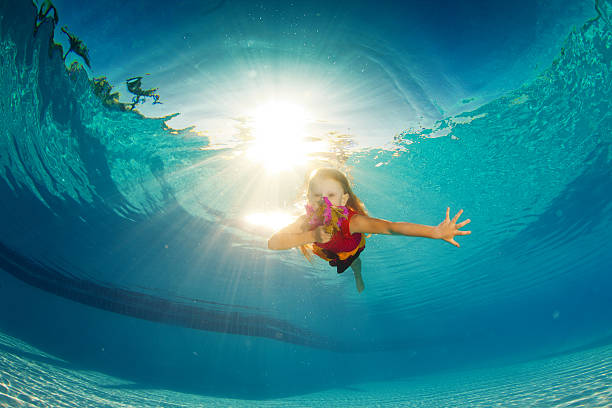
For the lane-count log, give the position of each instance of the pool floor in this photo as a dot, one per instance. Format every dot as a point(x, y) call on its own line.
point(32, 378)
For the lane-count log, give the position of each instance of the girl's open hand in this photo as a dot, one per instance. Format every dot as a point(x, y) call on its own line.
point(449, 228)
point(321, 236)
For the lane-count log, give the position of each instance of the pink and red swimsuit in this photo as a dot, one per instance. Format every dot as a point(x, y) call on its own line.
point(343, 248)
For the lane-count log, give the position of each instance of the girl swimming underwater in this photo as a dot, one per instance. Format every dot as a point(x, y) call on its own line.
point(335, 222)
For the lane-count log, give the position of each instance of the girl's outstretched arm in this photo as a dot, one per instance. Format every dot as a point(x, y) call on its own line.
point(446, 230)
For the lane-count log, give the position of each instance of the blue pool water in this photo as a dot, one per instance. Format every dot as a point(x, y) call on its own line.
point(134, 261)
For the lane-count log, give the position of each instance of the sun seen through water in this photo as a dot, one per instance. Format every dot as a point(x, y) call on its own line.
point(280, 136)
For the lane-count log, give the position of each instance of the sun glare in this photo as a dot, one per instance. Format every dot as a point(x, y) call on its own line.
point(279, 130)
point(272, 220)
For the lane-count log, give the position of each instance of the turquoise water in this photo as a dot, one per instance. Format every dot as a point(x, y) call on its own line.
point(133, 274)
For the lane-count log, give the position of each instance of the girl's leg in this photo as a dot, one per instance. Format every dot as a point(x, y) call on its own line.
point(356, 266)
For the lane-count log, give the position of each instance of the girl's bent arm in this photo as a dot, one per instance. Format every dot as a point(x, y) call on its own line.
point(291, 236)
point(286, 240)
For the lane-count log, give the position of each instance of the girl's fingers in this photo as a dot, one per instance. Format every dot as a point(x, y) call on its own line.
point(452, 241)
point(447, 213)
point(456, 217)
point(465, 232)
point(464, 223)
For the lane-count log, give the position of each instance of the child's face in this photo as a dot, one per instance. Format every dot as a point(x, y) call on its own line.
point(326, 187)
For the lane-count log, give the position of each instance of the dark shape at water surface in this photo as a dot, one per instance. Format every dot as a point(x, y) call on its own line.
point(45, 11)
point(77, 46)
point(134, 85)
